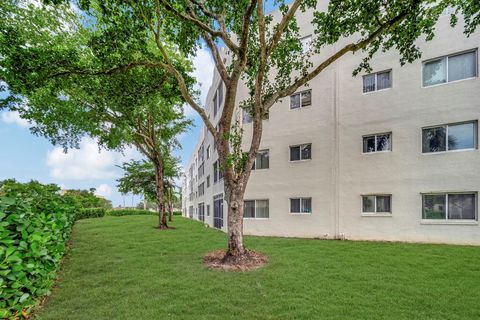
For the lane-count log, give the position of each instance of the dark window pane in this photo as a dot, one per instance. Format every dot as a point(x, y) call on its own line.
point(434, 139)
point(383, 80)
point(262, 160)
point(262, 209)
point(295, 205)
point(295, 153)
point(434, 206)
point(368, 204)
point(434, 72)
point(249, 209)
point(461, 206)
point(307, 151)
point(462, 66)
point(383, 142)
point(295, 101)
point(461, 136)
point(369, 83)
point(220, 95)
point(307, 205)
point(306, 98)
point(215, 105)
point(369, 144)
point(383, 204)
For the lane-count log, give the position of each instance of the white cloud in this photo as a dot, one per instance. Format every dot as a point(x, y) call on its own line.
point(204, 67)
point(104, 190)
point(87, 162)
point(13, 117)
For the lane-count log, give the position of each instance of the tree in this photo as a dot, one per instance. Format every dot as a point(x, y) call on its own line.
point(134, 107)
point(88, 199)
point(263, 52)
point(139, 178)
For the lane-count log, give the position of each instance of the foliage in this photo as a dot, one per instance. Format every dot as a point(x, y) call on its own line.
point(138, 178)
point(129, 212)
point(150, 205)
point(87, 213)
point(116, 262)
point(35, 223)
point(88, 199)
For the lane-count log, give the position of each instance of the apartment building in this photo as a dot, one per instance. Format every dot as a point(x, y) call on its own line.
point(392, 155)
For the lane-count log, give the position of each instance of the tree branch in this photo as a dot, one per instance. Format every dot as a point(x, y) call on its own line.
point(352, 47)
point(280, 28)
point(214, 33)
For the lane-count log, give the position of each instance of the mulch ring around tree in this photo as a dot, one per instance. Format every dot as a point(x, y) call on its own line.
point(251, 260)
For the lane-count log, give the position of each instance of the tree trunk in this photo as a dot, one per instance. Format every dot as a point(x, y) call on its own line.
point(162, 219)
point(235, 223)
point(170, 212)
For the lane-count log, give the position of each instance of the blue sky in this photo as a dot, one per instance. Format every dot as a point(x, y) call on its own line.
point(26, 157)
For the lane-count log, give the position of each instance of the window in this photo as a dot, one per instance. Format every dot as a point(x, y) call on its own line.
point(449, 137)
point(208, 210)
point(377, 81)
point(208, 152)
point(450, 206)
point(301, 152)
point(377, 204)
point(201, 170)
point(450, 68)
point(256, 209)
point(377, 143)
point(208, 181)
point(218, 99)
point(301, 99)
point(306, 43)
point(201, 211)
point(301, 205)
point(217, 172)
point(201, 189)
point(262, 161)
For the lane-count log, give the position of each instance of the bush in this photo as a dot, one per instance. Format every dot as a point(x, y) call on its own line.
point(86, 213)
point(35, 224)
point(130, 212)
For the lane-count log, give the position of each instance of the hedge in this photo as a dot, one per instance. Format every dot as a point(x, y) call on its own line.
point(130, 212)
point(135, 212)
point(35, 224)
point(86, 213)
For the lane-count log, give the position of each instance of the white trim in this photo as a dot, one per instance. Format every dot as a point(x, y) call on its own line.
point(447, 220)
point(379, 214)
point(255, 209)
point(301, 200)
point(446, 57)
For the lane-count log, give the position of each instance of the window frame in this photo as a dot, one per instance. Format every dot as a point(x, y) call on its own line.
point(301, 201)
point(255, 161)
point(378, 213)
point(300, 145)
point(446, 57)
point(300, 95)
point(376, 81)
point(447, 220)
point(376, 143)
point(446, 125)
point(255, 210)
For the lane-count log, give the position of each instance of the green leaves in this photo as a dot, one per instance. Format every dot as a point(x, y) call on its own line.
point(35, 223)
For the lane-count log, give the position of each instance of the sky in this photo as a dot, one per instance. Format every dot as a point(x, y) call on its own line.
point(25, 157)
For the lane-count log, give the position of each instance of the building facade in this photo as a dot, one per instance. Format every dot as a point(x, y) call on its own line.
point(392, 155)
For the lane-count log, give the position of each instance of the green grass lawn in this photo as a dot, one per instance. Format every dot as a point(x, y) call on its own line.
point(123, 268)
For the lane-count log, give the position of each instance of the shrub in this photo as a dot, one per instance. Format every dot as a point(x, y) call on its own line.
point(86, 213)
point(35, 224)
point(130, 212)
